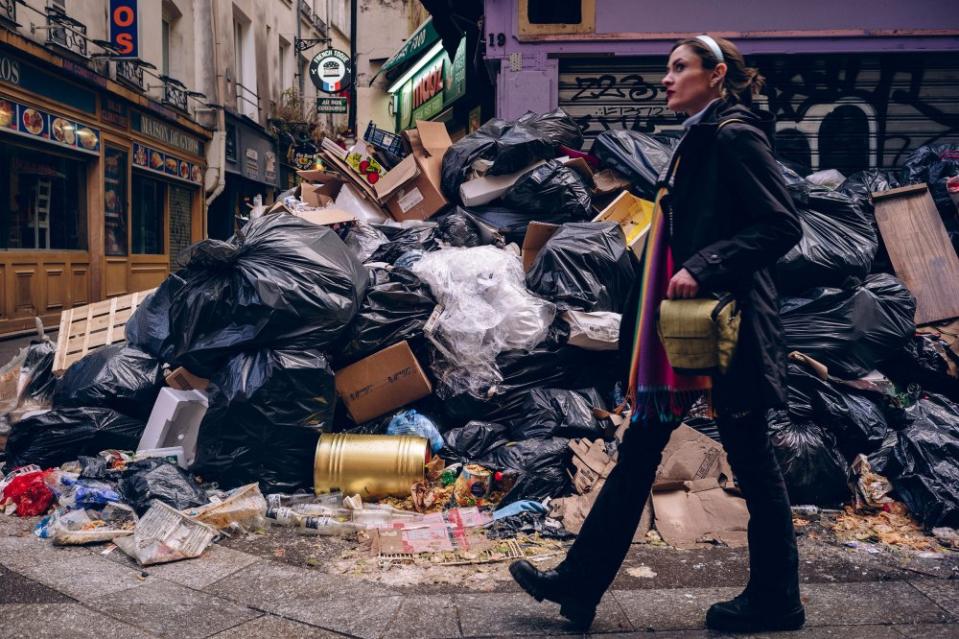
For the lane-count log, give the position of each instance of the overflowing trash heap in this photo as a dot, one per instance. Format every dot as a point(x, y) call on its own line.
point(420, 345)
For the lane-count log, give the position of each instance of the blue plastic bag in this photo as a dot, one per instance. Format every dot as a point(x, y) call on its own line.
point(410, 422)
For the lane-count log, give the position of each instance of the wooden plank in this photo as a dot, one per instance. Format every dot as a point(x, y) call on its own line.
point(89, 327)
point(902, 190)
point(921, 252)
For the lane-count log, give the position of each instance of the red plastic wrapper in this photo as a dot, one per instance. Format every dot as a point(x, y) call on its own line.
point(29, 492)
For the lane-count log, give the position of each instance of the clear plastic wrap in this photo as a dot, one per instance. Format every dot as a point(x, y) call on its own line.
point(486, 310)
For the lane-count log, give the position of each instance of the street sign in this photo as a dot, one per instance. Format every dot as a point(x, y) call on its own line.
point(331, 71)
point(332, 105)
point(123, 27)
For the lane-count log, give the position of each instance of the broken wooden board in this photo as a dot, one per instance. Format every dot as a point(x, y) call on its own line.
point(920, 250)
point(86, 328)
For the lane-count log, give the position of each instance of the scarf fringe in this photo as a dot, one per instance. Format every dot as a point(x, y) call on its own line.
point(667, 406)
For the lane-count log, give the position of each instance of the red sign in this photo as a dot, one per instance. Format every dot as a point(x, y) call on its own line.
point(428, 85)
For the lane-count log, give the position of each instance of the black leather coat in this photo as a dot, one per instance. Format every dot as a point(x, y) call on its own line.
point(731, 217)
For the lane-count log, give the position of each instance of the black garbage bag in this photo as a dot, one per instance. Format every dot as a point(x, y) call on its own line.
point(540, 464)
point(860, 185)
point(928, 361)
point(267, 409)
point(280, 281)
point(511, 224)
point(556, 412)
point(120, 377)
point(363, 239)
point(638, 156)
point(552, 364)
point(839, 241)
point(457, 229)
point(923, 465)
point(37, 371)
point(851, 330)
point(472, 441)
point(858, 420)
point(511, 146)
point(552, 190)
point(527, 523)
point(934, 164)
point(403, 240)
point(149, 479)
point(396, 307)
point(60, 435)
point(814, 470)
point(584, 266)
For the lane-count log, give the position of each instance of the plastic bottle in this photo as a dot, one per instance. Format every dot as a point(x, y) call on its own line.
point(327, 526)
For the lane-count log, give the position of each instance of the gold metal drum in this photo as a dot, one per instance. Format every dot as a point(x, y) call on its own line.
point(371, 465)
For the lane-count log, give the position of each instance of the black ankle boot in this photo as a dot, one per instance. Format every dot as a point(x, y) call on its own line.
point(742, 615)
point(553, 586)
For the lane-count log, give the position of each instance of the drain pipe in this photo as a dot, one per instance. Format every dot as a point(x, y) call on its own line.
point(216, 150)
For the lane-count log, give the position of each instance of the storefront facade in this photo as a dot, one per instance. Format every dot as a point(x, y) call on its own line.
point(252, 168)
point(429, 84)
point(97, 192)
point(849, 91)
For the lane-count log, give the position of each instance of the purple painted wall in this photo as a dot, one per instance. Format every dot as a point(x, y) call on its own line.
point(538, 74)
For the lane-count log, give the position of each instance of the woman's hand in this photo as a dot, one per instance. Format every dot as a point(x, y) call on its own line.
point(682, 286)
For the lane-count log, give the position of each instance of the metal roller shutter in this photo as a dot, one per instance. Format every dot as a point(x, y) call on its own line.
point(846, 112)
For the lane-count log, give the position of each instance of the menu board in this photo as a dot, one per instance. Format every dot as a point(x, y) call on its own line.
point(36, 123)
point(150, 159)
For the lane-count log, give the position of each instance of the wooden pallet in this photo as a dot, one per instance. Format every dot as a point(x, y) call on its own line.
point(89, 327)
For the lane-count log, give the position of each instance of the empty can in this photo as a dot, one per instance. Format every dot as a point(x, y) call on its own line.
point(371, 465)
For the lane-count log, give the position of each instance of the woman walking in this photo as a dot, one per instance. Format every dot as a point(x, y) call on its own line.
point(724, 217)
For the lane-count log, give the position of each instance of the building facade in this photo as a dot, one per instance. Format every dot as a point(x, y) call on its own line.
point(852, 86)
point(102, 160)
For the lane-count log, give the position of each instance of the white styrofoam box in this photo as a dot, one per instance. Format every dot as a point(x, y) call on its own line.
point(175, 421)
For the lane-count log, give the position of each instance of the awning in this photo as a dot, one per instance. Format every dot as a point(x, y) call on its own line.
point(422, 40)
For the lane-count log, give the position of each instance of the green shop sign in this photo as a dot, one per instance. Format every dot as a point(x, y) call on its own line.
point(430, 86)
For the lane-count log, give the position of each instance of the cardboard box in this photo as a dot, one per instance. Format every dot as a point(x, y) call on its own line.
point(486, 189)
point(537, 234)
point(175, 421)
point(411, 190)
point(182, 379)
point(382, 382)
point(325, 217)
point(634, 216)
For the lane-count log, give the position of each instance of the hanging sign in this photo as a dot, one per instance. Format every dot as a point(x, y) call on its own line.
point(123, 27)
point(331, 71)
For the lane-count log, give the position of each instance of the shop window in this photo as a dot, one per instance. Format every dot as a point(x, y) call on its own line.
point(181, 222)
point(552, 12)
point(42, 201)
point(115, 202)
point(147, 216)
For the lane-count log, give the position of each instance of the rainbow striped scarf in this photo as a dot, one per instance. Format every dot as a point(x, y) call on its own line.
point(656, 391)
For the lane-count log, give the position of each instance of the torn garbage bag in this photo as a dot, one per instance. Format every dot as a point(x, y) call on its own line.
point(363, 239)
point(149, 479)
point(267, 409)
point(120, 377)
point(553, 190)
point(814, 470)
point(419, 238)
point(851, 330)
point(486, 310)
point(926, 360)
point(638, 156)
point(396, 308)
point(839, 241)
point(540, 465)
point(554, 412)
point(457, 229)
point(36, 381)
point(584, 266)
point(922, 464)
point(60, 435)
point(279, 281)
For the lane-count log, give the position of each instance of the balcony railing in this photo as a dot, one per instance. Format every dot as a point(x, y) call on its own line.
point(66, 32)
point(130, 73)
point(174, 93)
point(8, 11)
point(247, 101)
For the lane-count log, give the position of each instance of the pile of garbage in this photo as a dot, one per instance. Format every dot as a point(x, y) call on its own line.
point(420, 345)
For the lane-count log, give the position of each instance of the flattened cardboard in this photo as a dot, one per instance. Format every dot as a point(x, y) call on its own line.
point(489, 187)
point(537, 234)
point(634, 215)
point(325, 217)
point(411, 190)
point(691, 456)
point(182, 379)
point(382, 382)
point(609, 181)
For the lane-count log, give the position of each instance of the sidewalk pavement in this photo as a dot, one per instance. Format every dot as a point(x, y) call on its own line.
point(47, 591)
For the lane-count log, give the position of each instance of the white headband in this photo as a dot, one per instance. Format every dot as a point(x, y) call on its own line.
point(713, 46)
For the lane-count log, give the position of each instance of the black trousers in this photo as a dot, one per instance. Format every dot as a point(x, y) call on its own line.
point(602, 544)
